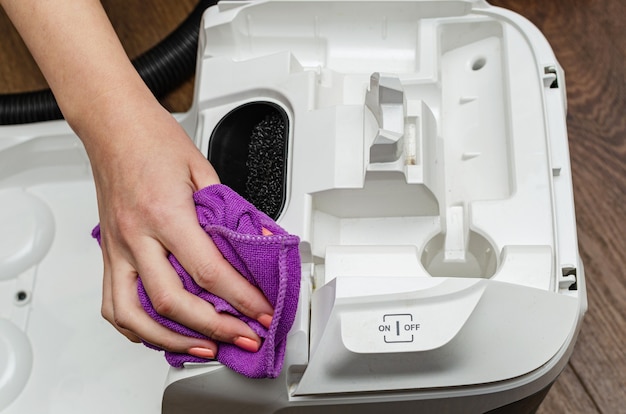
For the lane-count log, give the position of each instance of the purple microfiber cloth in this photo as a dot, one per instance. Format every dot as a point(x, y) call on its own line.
point(271, 263)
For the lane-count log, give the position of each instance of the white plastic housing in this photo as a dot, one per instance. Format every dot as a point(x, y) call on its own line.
point(428, 176)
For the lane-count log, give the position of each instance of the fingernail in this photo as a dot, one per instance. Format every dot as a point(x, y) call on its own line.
point(265, 320)
point(201, 353)
point(247, 344)
point(266, 232)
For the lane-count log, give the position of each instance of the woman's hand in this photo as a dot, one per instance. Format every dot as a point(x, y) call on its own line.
point(145, 183)
point(146, 170)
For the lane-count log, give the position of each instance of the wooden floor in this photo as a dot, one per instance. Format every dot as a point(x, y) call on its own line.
point(589, 39)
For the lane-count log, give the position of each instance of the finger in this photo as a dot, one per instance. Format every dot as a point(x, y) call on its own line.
point(171, 300)
point(197, 253)
point(202, 173)
point(130, 317)
point(200, 257)
point(108, 312)
point(107, 299)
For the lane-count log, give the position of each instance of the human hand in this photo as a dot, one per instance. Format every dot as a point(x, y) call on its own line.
point(145, 170)
point(145, 184)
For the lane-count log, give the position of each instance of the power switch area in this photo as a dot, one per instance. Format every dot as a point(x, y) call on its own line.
point(412, 333)
point(409, 321)
point(398, 327)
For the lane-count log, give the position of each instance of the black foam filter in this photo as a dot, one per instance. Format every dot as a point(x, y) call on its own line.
point(266, 165)
point(248, 149)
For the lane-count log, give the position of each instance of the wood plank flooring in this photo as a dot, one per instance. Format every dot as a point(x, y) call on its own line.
point(589, 39)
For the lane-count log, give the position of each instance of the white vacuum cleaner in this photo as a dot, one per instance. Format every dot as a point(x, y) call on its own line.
point(427, 175)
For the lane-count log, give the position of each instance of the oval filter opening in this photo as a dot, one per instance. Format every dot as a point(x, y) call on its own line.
point(248, 149)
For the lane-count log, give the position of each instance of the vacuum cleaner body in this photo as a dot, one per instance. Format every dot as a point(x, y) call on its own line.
point(420, 153)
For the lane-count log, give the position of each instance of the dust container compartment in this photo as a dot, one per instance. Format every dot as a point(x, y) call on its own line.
point(248, 149)
point(428, 181)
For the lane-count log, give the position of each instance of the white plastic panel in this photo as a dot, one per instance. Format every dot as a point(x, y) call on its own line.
point(458, 332)
point(454, 151)
point(57, 354)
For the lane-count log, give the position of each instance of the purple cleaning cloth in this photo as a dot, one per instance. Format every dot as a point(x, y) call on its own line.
point(271, 263)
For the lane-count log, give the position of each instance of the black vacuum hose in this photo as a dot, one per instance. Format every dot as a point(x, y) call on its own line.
point(163, 68)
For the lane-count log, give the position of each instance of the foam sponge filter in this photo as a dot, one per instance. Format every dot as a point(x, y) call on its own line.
point(266, 153)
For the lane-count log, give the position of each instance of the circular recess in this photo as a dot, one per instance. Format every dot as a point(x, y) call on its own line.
point(27, 231)
point(16, 360)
